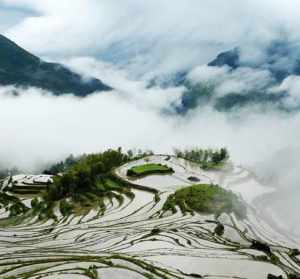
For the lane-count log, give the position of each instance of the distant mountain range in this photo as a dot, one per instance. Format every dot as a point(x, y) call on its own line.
point(281, 59)
point(20, 68)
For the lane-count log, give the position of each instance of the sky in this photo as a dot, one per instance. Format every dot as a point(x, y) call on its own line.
point(147, 35)
point(126, 42)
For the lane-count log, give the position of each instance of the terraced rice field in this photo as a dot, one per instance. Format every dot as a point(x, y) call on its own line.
point(135, 239)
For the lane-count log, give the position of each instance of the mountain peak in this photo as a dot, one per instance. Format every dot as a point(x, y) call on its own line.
point(230, 58)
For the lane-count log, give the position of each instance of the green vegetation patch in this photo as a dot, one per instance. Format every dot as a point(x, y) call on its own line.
point(149, 169)
point(79, 184)
point(206, 158)
point(13, 204)
point(86, 184)
point(203, 198)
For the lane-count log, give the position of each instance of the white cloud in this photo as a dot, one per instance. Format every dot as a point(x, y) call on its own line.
point(224, 80)
point(151, 35)
point(40, 127)
point(291, 85)
point(244, 80)
point(208, 74)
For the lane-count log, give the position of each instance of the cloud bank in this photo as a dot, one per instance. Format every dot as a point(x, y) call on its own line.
point(152, 35)
point(225, 81)
point(39, 127)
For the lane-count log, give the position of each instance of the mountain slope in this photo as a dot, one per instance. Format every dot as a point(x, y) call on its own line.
point(229, 58)
point(20, 68)
point(281, 59)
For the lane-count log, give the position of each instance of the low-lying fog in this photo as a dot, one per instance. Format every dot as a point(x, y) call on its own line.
point(38, 128)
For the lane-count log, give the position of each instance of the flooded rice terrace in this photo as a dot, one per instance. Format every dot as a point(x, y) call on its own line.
point(135, 239)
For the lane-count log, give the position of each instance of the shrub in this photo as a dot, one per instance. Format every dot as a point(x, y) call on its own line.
point(219, 229)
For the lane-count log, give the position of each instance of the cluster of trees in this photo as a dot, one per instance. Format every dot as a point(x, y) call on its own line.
point(84, 182)
point(87, 181)
point(207, 158)
point(85, 175)
point(62, 166)
point(71, 160)
point(13, 204)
